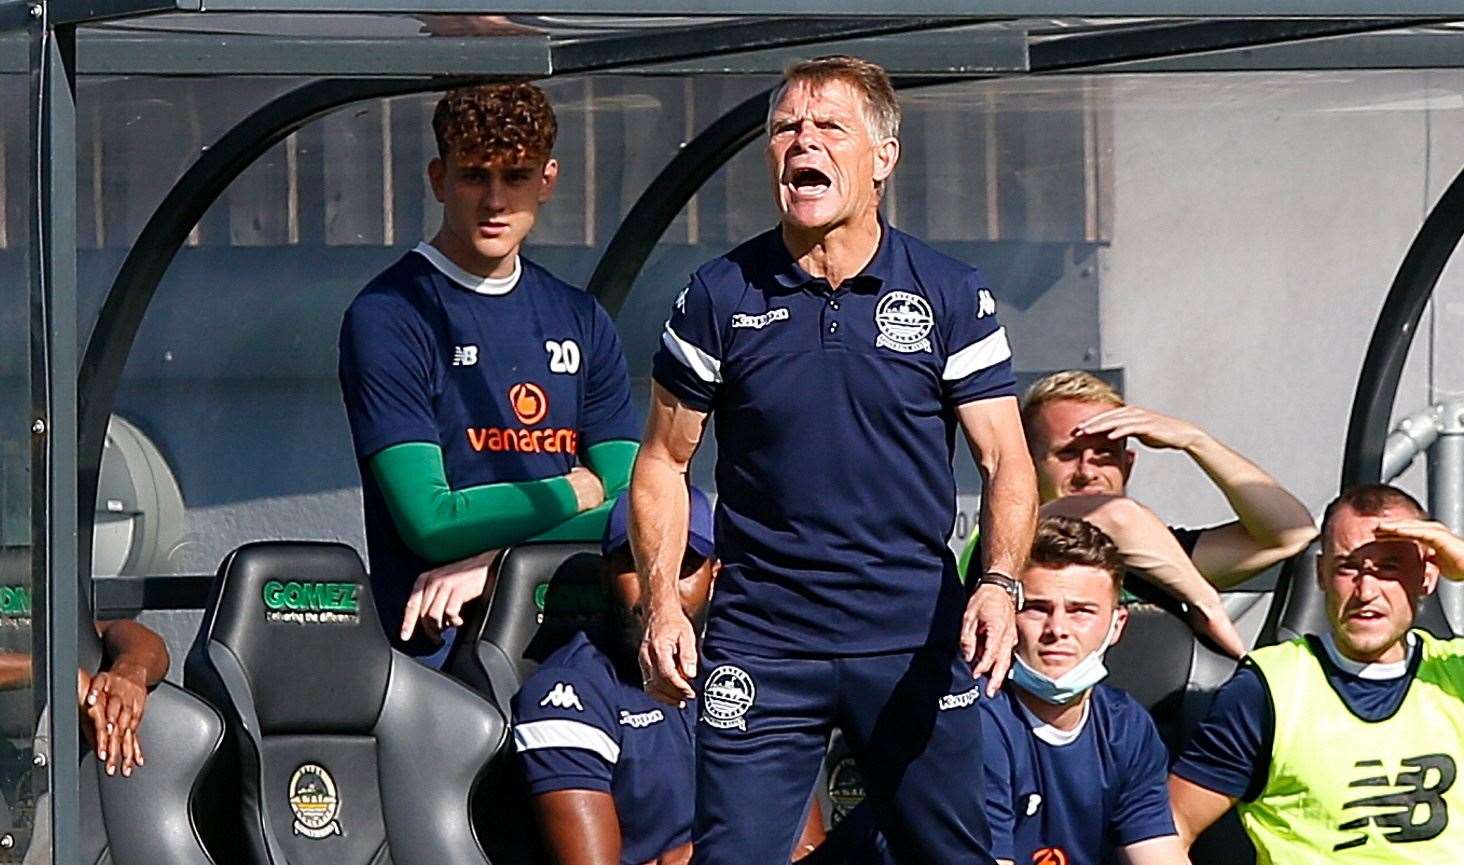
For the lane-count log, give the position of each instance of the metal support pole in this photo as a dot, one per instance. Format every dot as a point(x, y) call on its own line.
point(1382, 366)
point(1446, 496)
point(1412, 436)
point(54, 428)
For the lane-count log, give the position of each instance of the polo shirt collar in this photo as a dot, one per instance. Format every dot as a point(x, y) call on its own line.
point(788, 274)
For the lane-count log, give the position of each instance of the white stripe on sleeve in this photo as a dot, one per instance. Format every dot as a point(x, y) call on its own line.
point(979, 355)
point(563, 733)
point(706, 367)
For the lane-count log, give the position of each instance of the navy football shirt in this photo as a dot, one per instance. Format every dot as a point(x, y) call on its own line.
point(836, 426)
point(582, 722)
point(1230, 751)
point(1083, 793)
point(512, 386)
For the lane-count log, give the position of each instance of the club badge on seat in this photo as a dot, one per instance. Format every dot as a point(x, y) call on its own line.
point(314, 801)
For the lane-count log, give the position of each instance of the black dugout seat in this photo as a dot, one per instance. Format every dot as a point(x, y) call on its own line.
point(348, 752)
point(148, 819)
point(542, 595)
point(1160, 662)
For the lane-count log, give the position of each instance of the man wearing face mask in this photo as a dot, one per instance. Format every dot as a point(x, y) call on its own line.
point(1074, 769)
point(1345, 747)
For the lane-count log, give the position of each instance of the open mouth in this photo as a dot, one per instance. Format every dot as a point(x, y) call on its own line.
point(1366, 615)
point(809, 181)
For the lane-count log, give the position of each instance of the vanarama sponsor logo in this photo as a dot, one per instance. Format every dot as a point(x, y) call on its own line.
point(530, 405)
point(529, 441)
point(312, 603)
point(758, 322)
point(961, 700)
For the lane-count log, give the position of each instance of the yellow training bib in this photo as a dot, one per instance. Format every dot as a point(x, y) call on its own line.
point(1341, 789)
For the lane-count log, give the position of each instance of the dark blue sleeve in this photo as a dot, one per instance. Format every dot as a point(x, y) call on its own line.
point(608, 413)
point(997, 764)
point(978, 363)
point(689, 361)
point(1230, 751)
point(386, 374)
point(1142, 808)
point(565, 732)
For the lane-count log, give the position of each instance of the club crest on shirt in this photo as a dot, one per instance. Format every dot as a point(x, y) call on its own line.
point(314, 802)
point(904, 322)
point(726, 697)
point(1050, 856)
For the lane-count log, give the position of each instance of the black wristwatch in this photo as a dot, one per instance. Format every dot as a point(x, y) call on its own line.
point(1007, 584)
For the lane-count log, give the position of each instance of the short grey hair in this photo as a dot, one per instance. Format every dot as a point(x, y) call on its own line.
point(881, 108)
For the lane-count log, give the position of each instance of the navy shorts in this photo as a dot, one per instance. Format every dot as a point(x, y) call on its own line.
point(909, 717)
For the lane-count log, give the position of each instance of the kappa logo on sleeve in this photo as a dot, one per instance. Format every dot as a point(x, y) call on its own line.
point(985, 304)
point(562, 696)
point(681, 300)
point(727, 696)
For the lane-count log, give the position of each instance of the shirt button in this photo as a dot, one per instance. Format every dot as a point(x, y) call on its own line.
point(835, 304)
point(833, 328)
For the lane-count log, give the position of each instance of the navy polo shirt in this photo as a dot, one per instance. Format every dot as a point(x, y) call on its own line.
point(836, 429)
point(1083, 794)
point(511, 386)
point(582, 722)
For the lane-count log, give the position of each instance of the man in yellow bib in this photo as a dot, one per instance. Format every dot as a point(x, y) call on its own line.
point(1345, 747)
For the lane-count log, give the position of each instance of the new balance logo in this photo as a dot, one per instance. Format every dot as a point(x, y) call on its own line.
point(562, 696)
point(1417, 812)
point(464, 355)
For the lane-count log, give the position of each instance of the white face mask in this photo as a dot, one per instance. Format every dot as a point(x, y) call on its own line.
point(1070, 685)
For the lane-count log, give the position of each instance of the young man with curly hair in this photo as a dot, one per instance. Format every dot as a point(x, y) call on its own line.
point(488, 400)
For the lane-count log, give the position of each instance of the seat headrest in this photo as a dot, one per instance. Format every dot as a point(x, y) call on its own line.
point(300, 619)
point(1304, 606)
point(543, 594)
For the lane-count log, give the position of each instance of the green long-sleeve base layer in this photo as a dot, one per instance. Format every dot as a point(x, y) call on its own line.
point(441, 524)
